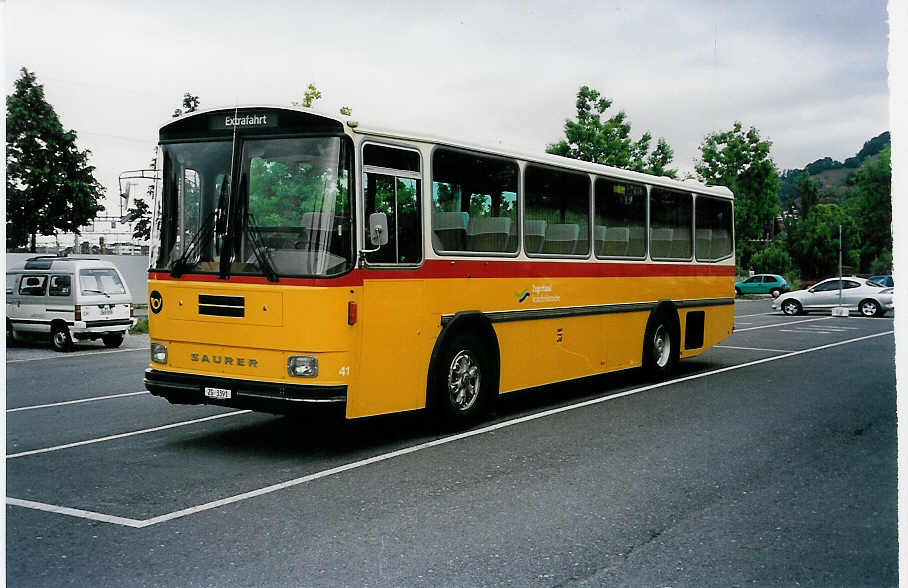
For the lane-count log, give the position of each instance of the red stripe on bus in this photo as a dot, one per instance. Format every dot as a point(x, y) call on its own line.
point(447, 269)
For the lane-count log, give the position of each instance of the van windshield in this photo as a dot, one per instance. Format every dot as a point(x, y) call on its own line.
point(100, 281)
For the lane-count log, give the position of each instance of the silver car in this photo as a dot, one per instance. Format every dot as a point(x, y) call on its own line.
point(858, 295)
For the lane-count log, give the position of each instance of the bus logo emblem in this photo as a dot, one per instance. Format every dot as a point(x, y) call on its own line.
point(521, 296)
point(155, 301)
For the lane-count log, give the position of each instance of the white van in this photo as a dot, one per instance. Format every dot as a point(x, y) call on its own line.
point(68, 299)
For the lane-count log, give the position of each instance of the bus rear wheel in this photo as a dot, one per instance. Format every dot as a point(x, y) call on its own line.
point(661, 346)
point(461, 382)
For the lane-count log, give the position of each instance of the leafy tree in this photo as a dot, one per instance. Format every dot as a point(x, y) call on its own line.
point(50, 184)
point(311, 95)
point(740, 160)
point(813, 241)
point(773, 259)
point(809, 193)
point(190, 104)
point(871, 206)
point(609, 143)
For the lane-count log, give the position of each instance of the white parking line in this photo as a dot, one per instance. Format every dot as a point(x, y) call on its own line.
point(135, 523)
point(786, 324)
point(752, 348)
point(122, 435)
point(86, 353)
point(81, 400)
point(750, 315)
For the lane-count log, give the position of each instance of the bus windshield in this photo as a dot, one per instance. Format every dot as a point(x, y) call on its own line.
point(288, 212)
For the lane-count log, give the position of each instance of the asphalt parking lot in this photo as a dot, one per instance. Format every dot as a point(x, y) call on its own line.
point(768, 460)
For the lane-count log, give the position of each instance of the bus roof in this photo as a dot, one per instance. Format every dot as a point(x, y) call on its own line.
point(542, 158)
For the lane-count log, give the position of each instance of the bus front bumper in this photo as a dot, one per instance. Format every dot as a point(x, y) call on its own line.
point(181, 388)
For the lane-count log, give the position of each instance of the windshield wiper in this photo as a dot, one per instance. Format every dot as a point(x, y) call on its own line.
point(259, 249)
point(96, 292)
point(181, 264)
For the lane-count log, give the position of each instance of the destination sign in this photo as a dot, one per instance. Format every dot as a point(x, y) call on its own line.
point(221, 122)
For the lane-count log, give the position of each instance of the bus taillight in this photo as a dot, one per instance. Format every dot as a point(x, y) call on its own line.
point(351, 313)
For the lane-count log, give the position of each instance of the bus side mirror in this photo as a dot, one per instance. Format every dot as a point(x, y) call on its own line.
point(378, 229)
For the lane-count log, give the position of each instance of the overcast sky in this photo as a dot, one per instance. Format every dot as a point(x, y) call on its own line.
point(811, 75)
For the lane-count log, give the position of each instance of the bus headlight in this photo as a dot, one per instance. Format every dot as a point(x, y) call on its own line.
point(302, 366)
point(158, 353)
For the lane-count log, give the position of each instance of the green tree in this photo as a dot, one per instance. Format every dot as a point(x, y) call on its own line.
point(50, 184)
point(871, 206)
point(609, 142)
point(190, 104)
point(813, 241)
point(311, 95)
point(740, 160)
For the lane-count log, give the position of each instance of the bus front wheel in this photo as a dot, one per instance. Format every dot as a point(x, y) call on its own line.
point(461, 382)
point(661, 346)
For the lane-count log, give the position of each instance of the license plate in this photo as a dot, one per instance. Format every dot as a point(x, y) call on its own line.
point(106, 310)
point(218, 393)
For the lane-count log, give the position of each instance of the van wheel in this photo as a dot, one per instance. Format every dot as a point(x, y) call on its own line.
point(112, 341)
point(661, 346)
point(10, 334)
point(60, 338)
point(461, 382)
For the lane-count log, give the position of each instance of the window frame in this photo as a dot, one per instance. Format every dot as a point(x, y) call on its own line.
point(43, 285)
point(646, 188)
point(731, 202)
point(394, 173)
point(518, 200)
point(523, 219)
point(691, 226)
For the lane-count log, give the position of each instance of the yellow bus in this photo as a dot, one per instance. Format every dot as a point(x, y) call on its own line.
point(300, 258)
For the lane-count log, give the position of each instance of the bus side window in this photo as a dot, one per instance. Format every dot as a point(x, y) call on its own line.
point(475, 194)
point(391, 185)
point(671, 215)
point(620, 219)
point(560, 200)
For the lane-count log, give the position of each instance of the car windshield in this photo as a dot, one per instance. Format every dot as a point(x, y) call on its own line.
point(100, 281)
point(288, 213)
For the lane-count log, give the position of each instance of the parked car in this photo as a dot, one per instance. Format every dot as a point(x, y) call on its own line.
point(858, 294)
point(762, 284)
point(67, 298)
point(885, 281)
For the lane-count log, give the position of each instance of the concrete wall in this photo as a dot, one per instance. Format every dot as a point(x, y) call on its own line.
point(133, 267)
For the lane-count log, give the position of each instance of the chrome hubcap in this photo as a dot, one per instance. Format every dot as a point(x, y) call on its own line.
point(60, 338)
point(662, 346)
point(868, 309)
point(790, 308)
point(464, 377)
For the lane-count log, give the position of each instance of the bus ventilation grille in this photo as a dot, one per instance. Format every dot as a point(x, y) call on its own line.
point(212, 305)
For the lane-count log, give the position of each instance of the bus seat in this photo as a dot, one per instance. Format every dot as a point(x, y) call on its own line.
point(660, 244)
point(704, 243)
point(582, 247)
point(616, 240)
point(561, 238)
point(681, 243)
point(636, 243)
point(488, 233)
point(451, 229)
point(534, 235)
point(599, 239)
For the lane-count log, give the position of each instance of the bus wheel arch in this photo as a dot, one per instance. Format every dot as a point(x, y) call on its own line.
point(463, 378)
point(662, 340)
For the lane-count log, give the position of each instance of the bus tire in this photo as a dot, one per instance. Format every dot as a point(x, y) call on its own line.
point(661, 344)
point(462, 382)
point(60, 337)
